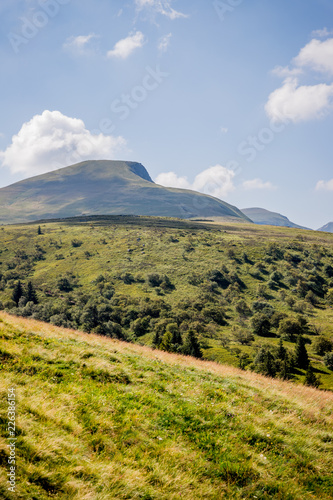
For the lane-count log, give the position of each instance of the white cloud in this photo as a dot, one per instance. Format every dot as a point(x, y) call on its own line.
point(257, 184)
point(285, 71)
point(126, 46)
point(317, 56)
point(299, 103)
point(52, 140)
point(325, 185)
point(216, 181)
point(160, 7)
point(323, 33)
point(224, 130)
point(171, 179)
point(164, 42)
point(78, 44)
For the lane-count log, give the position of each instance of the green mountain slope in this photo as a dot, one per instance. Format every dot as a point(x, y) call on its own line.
point(267, 218)
point(104, 187)
point(100, 419)
point(328, 228)
point(138, 278)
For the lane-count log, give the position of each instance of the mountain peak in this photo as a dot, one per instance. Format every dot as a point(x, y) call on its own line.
point(328, 228)
point(105, 187)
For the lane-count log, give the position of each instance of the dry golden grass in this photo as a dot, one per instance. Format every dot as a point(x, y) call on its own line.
point(177, 426)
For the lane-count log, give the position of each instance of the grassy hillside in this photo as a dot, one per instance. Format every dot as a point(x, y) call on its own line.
point(240, 288)
point(104, 187)
point(267, 218)
point(102, 419)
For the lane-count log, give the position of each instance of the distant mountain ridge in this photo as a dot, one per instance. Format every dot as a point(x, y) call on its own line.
point(328, 228)
point(267, 218)
point(105, 187)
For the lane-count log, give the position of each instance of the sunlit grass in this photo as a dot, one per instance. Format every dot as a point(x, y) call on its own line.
point(103, 419)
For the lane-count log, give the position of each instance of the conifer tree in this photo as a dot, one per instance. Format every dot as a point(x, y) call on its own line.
point(286, 367)
point(192, 346)
point(31, 295)
point(39, 230)
point(17, 292)
point(281, 354)
point(156, 339)
point(301, 355)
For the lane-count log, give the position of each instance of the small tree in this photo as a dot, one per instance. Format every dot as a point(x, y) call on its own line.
point(192, 346)
point(311, 378)
point(39, 230)
point(157, 338)
point(176, 335)
point(301, 355)
point(261, 325)
point(290, 328)
point(166, 343)
point(281, 354)
point(31, 294)
point(286, 368)
point(264, 362)
point(17, 292)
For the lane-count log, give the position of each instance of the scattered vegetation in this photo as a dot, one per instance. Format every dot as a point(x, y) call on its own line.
point(255, 297)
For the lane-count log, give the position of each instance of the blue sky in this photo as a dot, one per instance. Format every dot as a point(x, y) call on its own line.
point(233, 98)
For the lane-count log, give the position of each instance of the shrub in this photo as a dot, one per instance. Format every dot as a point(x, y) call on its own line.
point(214, 313)
point(261, 325)
point(243, 309)
point(64, 285)
point(154, 279)
point(220, 279)
point(311, 378)
point(322, 345)
point(328, 360)
point(76, 243)
point(243, 337)
point(128, 278)
point(141, 326)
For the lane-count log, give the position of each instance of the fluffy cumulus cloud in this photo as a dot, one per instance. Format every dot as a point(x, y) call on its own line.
point(125, 47)
point(294, 100)
point(171, 179)
point(216, 181)
point(298, 103)
point(159, 7)
point(79, 45)
point(325, 185)
point(52, 140)
point(317, 56)
point(255, 184)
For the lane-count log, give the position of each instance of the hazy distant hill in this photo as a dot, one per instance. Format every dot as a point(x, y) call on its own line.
point(267, 218)
point(328, 228)
point(105, 187)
